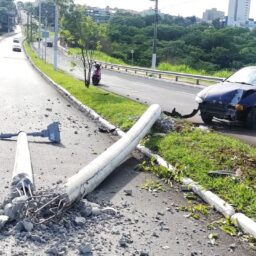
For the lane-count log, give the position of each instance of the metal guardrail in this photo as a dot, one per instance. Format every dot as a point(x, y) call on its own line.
point(160, 73)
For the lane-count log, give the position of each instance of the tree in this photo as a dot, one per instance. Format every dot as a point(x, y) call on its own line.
point(80, 30)
point(7, 14)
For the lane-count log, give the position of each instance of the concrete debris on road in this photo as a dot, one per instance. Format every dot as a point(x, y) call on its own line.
point(85, 249)
point(104, 129)
point(3, 220)
point(128, 192)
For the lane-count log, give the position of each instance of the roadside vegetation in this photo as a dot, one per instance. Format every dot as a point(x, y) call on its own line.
point(118, 110)
point(188, 70)
point(192, 151)
point(196, 154)
point(183, 44)
point(7, 18)
point(99, 56)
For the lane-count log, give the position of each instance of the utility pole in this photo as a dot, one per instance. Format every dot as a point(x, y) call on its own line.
point(132, 52)
point(153, 65)
point(56, 32)
point(31, 27)
point(8, 23)
point(39, 38)
point(45, 41)
point(27, 25)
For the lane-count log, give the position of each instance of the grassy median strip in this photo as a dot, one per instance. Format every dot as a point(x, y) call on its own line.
point(193, 151)
point(197, 153)
point(118, 110)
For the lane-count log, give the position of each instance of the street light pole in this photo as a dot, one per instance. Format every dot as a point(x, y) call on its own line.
point(8, 23)
point(27, 25)
point(39, 30)
point(153, 65)
point(56, 32)
point(132, 52)
point(31, 34)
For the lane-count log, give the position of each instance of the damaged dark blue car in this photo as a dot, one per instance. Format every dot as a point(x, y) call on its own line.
point(234, 99)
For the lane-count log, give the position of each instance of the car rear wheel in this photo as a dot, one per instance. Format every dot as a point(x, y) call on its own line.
point(207, 118)
point(251, 119)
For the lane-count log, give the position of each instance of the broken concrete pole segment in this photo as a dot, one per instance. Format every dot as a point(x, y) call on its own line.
point(245, 223)
point(22, 176)
point(88, 178)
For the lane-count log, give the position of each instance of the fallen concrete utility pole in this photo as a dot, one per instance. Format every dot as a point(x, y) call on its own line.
point(88, 178)
point(52, 133)
point(22, 177)
point(51, 203)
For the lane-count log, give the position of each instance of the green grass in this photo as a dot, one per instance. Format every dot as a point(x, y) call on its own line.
point(193, 152)
point(99, 56)
point(189, 70)
point(118, 110)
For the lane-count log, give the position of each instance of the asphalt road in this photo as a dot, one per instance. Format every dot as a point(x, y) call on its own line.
point(168, 94)
point(152, 220)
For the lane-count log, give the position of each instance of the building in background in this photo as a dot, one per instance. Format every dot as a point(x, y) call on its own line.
point(210, 15)
point(251, 24)
point(99, 15)
point(238, 12)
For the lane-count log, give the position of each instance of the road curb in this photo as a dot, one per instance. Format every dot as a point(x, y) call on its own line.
point(238, 219)
point(245, 223)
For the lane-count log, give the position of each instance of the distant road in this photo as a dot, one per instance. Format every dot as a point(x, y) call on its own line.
point(166, 93)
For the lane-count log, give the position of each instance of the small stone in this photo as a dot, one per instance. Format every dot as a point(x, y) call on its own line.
point(28, 226)
point(155, 234)
point(36, 238)
point(52, 251)
point(109, 210)
point(80, 221)
point(122, 242)
point(86, 211)
point(128, 192)
point(144, 253)
point(8, 211)
point(59, 182)
point(3, 220)
point(19, 226)
point(232, 246)
point(85, 248)
point(19, 202)
point(96, 211)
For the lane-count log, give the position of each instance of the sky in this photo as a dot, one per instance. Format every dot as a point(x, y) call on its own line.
point(174, 7)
